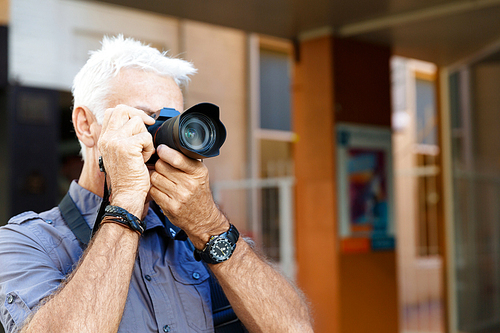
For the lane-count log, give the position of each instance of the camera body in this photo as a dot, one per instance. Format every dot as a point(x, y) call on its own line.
point(197, 133)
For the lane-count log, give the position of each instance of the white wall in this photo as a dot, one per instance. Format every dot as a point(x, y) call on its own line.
point(49, 39)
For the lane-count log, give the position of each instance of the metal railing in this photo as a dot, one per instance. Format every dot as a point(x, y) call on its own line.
point(285, 207)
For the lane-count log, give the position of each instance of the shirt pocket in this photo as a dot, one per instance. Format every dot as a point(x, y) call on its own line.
point(24, 217)
point(17, 312)
point(194, 293)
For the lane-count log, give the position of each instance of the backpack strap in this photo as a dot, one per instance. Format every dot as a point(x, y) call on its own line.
point(75, 220)
point(225, 320)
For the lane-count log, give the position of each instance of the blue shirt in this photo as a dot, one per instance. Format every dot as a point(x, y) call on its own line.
point(169, 290)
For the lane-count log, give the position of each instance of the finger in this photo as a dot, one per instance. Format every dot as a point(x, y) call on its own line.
point(147, 144)
point(164, 168)
point(177, 159)
point(157, 195)
point(162, 184)
point(133, 112)
point(161, 197)
point(177, 195)
point(134, 126)
point(176, 176)
point(107, 117)
point(165, 172)
point(119, 115)
point(116, 117)
point(144, 144)
point(172, 185)
point(148, 120)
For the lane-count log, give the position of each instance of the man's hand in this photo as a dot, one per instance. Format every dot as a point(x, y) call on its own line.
point(180, 186)
point(260, 296)
point(125, 146)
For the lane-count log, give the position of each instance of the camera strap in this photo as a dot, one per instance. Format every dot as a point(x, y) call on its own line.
point(105, 199)
point(74, 220)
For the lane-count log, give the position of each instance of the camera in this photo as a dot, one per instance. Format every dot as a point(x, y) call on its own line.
point(197, 133)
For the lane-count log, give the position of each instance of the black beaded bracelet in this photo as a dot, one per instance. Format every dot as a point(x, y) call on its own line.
point(124, 217)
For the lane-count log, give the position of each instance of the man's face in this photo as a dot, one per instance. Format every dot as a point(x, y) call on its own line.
point(145, 90)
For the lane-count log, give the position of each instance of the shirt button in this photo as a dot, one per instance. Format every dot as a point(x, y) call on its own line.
point(166, 328)
point(10, 299)
point(48, 221)
point(196, 275)
point(148, 277)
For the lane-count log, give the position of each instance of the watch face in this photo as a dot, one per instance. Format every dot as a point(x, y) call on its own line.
point(221, 249)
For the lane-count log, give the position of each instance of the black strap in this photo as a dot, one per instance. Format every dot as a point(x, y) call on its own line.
point(225, 320)
point(105, 199)
point(75, 220)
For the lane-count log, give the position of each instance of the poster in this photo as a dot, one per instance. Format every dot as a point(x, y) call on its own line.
point(365, 189)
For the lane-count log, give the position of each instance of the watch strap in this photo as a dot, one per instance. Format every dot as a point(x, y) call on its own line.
point(231, 235)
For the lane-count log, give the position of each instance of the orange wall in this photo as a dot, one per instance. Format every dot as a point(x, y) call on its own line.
point(4, 12)
point(317, 257)
point(368, 293)
point(338, 80)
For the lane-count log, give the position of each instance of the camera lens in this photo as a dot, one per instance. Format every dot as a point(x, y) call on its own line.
point(197, 132)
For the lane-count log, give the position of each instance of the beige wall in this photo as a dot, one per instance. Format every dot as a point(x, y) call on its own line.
point(220, 56)
point(4, 12)
point(419, 278)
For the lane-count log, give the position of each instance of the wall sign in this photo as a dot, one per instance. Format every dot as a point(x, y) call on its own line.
point(365, 192)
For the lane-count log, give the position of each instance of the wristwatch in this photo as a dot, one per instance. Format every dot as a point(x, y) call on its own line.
point(219, 248)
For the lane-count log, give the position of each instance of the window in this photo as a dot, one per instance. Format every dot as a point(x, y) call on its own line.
point(275, 96)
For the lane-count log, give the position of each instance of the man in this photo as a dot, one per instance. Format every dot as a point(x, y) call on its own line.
point(127, 279)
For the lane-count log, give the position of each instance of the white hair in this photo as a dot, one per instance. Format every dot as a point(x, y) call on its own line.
point(91, 86)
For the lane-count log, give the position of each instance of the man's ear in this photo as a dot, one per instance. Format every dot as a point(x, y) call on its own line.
point(85, 123)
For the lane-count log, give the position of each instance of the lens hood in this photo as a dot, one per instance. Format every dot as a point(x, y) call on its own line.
point(197, 133)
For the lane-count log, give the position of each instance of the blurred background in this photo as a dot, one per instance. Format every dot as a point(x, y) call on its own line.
point(363, 150)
